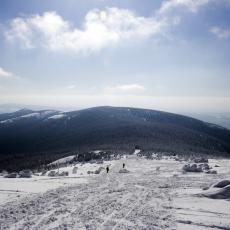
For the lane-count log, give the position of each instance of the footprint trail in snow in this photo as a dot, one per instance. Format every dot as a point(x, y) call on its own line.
point(135, 200)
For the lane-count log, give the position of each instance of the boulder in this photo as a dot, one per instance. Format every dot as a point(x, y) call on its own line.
point(205, 166)
point(123, 171)
point(52, 173)
point(222, 193)
point(4, 172)
point(98, 171)
point(90, 172)
point(206, 188)
point(64, 173)
point(221, 184)
point(178, 159)
point(192, 168)
point(211, 172)
point(75, 170)
point(25, 173)
point(11, 175)
point(43, 173)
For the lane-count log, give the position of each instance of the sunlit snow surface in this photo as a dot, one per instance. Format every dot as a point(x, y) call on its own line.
point(57, 116)
point(31, 115)
point(144, 198)
point(63, 160)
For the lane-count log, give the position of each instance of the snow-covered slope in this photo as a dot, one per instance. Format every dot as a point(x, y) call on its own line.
point(28, 114)
point(143, 198)
point(57, 116)
point(63, 160)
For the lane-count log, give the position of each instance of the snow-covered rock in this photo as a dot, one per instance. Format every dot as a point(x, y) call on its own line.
point(205, 166)
point(90, 172)
point(25, 173)
point(222, 193)
point(136, 151)
point(192, 168)
point(74, 171)
point(64, 173)
point(43, 173)
point(3, 173)
point(221, 184)
point(123, 171)
point(211, 172)
point(97, 151)
point(11, 175)
point(98, 171)
point(52, 173)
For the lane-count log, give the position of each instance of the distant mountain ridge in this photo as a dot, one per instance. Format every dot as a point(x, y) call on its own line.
point(222, 119)
point(29, 131)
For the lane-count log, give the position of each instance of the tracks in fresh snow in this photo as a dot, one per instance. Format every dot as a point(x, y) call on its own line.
point(113, 201)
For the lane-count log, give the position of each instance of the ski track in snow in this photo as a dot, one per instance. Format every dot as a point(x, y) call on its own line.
point(109, 201)
point(145, 198)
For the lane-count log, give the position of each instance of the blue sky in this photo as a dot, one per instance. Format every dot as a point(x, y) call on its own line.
point(171, 55)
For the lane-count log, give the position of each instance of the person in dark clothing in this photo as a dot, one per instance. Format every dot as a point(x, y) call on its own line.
point(107, 169)
point(123, 165)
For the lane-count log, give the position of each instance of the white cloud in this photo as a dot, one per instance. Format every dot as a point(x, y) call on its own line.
point(192, 5)
point(10, 77)
point(126, 88)
point(99, 29)
point(19, 30)
point(220, 32)
point(5, 74)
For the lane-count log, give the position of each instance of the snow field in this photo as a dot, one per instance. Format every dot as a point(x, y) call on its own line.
point(155, 194)
point(16, 188)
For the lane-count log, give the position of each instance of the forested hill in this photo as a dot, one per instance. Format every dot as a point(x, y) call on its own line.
point(30, 132)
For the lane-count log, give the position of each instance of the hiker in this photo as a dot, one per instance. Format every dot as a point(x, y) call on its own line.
point(107, 169)
point(123, 165)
